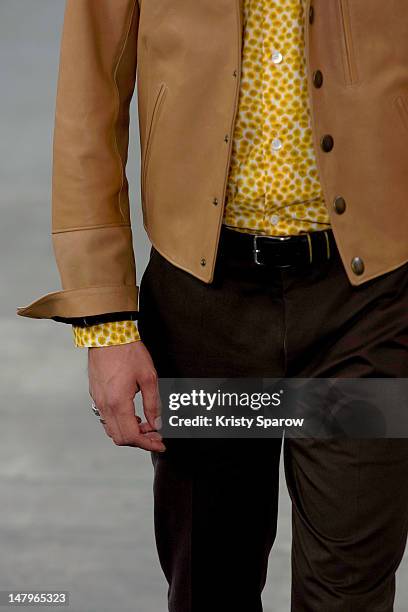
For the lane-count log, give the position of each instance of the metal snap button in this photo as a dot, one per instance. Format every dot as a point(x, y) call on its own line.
point(327, 143)
point(318, 78)
point(339, 205)
point(357, 265)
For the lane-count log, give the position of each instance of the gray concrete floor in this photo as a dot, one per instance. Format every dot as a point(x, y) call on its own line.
point(76, 511)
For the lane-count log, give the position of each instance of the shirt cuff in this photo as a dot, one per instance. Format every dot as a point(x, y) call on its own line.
point(106, 334)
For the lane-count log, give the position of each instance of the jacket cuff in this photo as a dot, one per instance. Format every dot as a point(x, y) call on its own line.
point(89, 321)
point(91, 301)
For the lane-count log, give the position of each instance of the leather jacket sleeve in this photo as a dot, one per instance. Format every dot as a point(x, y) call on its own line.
point(91, 230)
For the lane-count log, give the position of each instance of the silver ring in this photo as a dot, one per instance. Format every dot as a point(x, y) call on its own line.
point(95, 409)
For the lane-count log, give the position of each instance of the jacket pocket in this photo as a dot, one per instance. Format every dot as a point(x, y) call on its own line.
point(401, 105)
point(158, 104)
point(350, 66)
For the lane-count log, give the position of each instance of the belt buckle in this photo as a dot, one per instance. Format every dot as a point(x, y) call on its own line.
point(257, 250)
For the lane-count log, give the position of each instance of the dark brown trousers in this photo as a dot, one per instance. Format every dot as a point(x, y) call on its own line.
point(216, 500)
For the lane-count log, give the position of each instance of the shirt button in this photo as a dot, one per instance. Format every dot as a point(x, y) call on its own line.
point(276, 144)
point(277, 57)
point(274, 219)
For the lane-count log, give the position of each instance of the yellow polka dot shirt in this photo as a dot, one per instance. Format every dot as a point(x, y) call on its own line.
point(273, 186)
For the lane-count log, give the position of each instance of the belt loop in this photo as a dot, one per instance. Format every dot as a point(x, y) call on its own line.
point(327, 244)
point(309, 241)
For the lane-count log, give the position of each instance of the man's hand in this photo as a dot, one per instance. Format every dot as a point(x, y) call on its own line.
point(116, 374)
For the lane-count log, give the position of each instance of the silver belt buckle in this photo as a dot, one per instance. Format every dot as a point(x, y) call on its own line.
point(256, 250)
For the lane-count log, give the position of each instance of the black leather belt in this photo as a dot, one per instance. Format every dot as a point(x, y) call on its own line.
point(281, 251)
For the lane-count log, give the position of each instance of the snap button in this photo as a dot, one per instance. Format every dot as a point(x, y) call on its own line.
point(317, 79)
point(327, 143)
point(357, 265)
point(339, 205)
point(215, 201)
point(203, 261)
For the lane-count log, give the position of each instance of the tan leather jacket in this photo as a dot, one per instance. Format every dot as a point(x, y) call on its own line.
point(189, 54)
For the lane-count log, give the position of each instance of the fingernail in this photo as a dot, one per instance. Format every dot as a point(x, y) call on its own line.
point(158, 422)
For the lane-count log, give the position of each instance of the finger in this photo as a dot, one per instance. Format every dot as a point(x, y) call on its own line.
point(129, 432)
point(151, 397)
point(146, 428)
point(139, 420)
point(154, 442)
point(112, 413)
point(153, 435)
